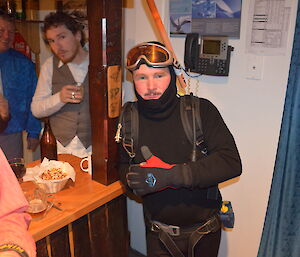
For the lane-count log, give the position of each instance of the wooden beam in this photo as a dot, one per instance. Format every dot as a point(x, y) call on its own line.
point(105, 26)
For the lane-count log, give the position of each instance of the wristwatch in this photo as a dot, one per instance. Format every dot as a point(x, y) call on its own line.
point(15, 248)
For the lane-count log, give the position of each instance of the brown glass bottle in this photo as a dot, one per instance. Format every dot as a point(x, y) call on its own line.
point(20, 9)
point(8, 6)
point(48, 142)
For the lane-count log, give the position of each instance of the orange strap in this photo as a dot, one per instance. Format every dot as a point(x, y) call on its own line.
point(162, 31)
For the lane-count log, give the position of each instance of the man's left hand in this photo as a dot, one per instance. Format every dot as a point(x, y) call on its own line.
point(32, 143)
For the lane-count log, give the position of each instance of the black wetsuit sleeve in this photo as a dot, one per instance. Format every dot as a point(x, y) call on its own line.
point(123, 166)
point(223, 161)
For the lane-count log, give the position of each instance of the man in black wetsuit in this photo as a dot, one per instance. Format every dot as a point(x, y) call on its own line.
point(177, 192)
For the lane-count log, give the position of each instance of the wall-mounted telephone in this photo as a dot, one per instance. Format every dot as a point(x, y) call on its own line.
point(211, 57)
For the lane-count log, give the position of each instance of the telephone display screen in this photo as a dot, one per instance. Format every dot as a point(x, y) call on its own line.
point(211, 47)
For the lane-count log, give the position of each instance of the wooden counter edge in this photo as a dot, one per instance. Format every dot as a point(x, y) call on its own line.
point(112, 191)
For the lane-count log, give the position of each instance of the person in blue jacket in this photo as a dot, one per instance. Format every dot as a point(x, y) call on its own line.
point(17, 85)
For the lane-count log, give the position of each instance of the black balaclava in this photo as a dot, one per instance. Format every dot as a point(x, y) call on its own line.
point(162, 107)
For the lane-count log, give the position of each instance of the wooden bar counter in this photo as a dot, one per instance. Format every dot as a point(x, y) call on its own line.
point(83, 227)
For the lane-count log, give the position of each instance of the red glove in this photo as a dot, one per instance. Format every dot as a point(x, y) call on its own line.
point(155, 175)
point(152, 160)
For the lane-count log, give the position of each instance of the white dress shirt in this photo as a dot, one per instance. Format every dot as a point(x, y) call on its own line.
point(45, 104)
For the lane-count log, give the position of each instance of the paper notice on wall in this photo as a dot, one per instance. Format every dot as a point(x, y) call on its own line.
point(269, 22)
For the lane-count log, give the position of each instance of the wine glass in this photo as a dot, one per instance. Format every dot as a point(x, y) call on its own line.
point(18, 167)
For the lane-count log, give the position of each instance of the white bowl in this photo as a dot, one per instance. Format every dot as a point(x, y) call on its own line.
point(52, 186)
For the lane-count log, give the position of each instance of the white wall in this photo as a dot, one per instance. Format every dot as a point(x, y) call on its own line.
point(252, 109)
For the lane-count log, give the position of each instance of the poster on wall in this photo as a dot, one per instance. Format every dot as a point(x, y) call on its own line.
point(205, 17)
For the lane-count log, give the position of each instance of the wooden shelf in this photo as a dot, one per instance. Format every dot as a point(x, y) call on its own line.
point(29, 21)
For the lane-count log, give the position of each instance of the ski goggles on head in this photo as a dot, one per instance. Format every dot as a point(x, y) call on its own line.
point(154, 55)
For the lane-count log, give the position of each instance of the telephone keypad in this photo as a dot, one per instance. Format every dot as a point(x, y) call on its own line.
point(212, 67)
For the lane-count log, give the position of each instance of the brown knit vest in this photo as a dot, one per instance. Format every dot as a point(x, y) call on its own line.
point(71, 119)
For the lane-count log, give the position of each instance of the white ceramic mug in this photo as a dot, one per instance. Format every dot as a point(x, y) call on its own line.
point(89, 164)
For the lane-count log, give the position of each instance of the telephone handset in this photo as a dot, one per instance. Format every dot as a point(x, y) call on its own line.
point(191, 51)
point(211, 57)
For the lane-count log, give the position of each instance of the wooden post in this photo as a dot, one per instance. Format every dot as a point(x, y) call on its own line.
point(109, 234)
point(105, 26)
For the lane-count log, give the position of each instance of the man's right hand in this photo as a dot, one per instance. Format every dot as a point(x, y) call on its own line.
point(155, 175)
point(4, 112)
point(71, 94)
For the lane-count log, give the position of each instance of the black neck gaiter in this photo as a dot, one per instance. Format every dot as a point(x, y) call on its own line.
point(162, 107)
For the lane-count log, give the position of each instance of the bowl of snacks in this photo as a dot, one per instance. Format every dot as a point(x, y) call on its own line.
point(54, 175)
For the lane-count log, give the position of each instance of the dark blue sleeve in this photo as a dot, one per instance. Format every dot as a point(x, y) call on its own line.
point(33, 125)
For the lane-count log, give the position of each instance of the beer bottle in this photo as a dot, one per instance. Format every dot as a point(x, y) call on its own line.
point(48, 142)
point(8, 6)
point(20, 9)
